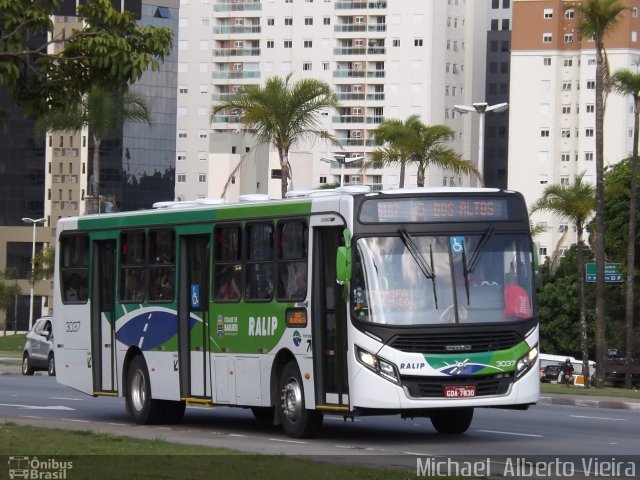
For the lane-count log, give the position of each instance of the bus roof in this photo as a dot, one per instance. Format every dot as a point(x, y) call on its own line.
point(296, 202)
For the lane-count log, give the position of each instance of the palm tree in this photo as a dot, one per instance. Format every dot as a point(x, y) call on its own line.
point(627, 82)
point(596, 19)
point(282, 114)
point(100, 111)
point(395, 138)
point(575, 203)
point(432, 149)
point(413, 141)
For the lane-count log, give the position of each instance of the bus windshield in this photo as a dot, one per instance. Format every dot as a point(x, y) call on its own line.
point(429, 280)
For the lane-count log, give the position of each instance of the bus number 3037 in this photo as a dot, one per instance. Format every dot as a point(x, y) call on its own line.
point(72, 326)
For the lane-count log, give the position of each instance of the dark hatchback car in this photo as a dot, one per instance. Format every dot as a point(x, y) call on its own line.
point(550, 373)
point(38, 348)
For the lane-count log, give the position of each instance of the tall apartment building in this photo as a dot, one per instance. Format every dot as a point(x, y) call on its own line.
point(385, 59)
point(552, 111)
point(49, 178)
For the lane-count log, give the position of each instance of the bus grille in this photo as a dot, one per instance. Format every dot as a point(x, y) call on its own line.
point(465, 342)
point(430, 387)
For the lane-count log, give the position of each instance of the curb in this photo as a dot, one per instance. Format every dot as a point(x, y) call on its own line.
point(580, 402)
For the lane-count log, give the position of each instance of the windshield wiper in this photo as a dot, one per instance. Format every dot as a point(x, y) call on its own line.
point(425, 268)
point(475, 256)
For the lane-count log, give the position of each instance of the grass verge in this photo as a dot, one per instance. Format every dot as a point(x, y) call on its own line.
point(98, 456)
point(606, 391)
point(11, 345)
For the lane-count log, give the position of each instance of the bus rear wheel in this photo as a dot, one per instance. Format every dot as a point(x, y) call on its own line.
point(297, 421)
point(452, 421)
point(140, 405)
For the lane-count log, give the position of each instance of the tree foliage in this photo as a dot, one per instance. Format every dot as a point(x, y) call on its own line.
point(43, 264)
point(43, 73)
point(575, 203)
point(282, 114)
point(412, 141)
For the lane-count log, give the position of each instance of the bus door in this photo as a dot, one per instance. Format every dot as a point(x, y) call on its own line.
point(103, 317)
point(329, 321)
point(193, 316)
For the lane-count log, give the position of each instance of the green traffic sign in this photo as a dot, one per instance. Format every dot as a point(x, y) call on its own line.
point(612, 273)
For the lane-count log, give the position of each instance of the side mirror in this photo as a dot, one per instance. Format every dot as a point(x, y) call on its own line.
point(343, 259)
point(343, 265)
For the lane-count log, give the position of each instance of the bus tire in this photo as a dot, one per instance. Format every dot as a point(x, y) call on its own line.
point(297, 421)
point(452, 421)
point(144, 409)
point(173, 411)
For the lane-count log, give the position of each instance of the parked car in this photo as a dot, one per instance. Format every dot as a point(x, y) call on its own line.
point(38, 348)
point(550, 373)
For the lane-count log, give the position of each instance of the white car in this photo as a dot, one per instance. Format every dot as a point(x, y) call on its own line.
point(38, 348)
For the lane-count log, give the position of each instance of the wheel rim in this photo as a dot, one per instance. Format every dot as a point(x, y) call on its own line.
point(52, 365)
point(292, 400)
point(25, 364)
point(138, 390)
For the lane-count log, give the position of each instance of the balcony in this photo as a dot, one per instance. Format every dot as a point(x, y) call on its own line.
point(239, 29)
point(358, 5)
point(350, 27)
point(64, 205)
point(350, 96)
point(226, 119)
point(358, 73)
point(237, 7)
point(350, 51)
point(234, 74)
point(357, 142)
point(375, 119)
point(348, 119)
point(377, 27)
point(375, 96)
point(69, 179)
point(236, 52)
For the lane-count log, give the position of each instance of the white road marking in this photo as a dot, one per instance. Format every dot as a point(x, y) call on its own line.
point(67, 398)
point(76, 420)
point(287, 441)
point(512, 433)
point(599, 418)
point(37, 407)
point(236, 435)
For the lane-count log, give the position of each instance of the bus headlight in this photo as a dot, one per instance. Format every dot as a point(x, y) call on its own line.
point(379, 365)
point(525, 363)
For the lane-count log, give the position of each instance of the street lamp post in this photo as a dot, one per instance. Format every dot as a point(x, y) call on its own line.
point(33, 265)
point(342, 160)
point(481, 108)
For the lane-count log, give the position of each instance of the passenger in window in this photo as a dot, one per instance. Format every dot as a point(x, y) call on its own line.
point(296, 280)
point(72, 294)
point(228, 289)
point(134, 287)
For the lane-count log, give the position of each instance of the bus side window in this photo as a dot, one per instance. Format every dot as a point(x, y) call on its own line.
point(259, 275)
point(161, 266)
point(227, 280)
point(292, 260)
point(74, 269)
point(132, 267)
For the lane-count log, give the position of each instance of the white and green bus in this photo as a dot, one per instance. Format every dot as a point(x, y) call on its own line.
point(416, 302)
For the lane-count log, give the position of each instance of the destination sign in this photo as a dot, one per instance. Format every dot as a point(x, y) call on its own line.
point(406, 210)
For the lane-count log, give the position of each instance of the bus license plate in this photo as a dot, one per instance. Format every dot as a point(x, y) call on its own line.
point(460, 392)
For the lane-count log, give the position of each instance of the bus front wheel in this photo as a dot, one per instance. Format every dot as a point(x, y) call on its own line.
point(452, 421)
point(140, 405)
point(297, 421)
